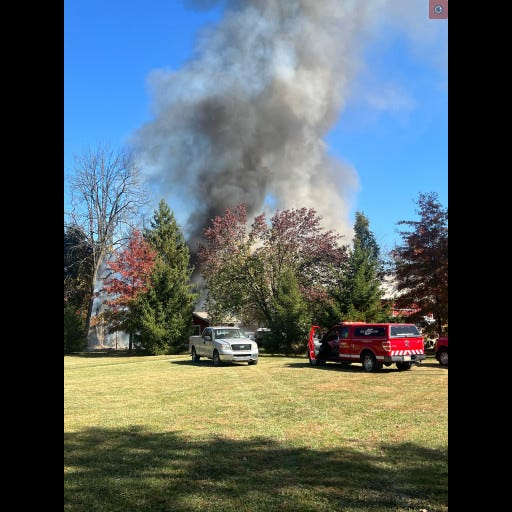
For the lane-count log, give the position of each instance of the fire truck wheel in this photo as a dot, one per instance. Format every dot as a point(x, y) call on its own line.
point(403, 366)
point(370, 363)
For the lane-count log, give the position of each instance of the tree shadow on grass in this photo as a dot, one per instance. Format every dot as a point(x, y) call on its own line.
point(134, 470)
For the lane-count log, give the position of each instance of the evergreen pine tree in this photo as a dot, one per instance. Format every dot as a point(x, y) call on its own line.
point(165, 311)
point(290, 319)
point(359, 295)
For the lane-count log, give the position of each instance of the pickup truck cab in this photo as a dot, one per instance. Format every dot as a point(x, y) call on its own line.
point(223, 344)
point(371, 344)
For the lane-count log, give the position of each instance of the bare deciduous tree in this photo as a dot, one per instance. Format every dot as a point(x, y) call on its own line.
point(107, 195)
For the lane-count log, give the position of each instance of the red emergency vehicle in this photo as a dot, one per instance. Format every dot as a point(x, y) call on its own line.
point(372, 344)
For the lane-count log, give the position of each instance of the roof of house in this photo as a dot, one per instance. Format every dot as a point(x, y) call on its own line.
point(203, 315)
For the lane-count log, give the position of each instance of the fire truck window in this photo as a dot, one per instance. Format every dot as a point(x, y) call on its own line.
point(370, 331)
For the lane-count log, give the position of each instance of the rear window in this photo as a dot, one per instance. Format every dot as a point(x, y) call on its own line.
point(368, 331)
point(402, 331)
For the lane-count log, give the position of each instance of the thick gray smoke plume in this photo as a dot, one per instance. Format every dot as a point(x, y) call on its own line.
point(244, 120)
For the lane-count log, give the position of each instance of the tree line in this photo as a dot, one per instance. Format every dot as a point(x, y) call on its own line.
point(285, 273)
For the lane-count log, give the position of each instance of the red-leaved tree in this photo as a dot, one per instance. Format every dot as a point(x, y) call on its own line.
point(421, 263)
point(128, 277)
point(244, 268)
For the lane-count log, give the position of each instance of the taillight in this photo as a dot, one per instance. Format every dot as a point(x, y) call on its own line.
point(386, 345)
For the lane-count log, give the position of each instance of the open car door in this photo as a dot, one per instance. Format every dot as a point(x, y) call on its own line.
point(315, 333)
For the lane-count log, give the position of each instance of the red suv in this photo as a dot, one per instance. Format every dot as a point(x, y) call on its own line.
point(441, 350)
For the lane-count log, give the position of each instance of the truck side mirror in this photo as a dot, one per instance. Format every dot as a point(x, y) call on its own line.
point(207, 338)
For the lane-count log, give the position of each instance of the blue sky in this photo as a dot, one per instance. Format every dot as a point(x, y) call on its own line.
point(390, 131)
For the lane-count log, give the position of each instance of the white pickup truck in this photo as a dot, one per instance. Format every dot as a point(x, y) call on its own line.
point(223, 344)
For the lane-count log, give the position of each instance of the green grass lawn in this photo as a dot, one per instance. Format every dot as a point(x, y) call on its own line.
point(164, 434)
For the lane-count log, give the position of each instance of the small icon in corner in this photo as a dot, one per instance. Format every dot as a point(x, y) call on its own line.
point(438, 9)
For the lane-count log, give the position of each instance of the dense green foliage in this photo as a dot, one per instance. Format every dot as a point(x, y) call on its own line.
point(355, 292)
point(359, 296)
point(74, 330)
point(164, 312)
point(290, 319)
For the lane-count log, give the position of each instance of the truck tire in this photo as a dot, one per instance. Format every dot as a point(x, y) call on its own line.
point(195, 357)
point(442, 357)
point(253, 362)
point(403, 366)
point(216, 358)
point(369, 362)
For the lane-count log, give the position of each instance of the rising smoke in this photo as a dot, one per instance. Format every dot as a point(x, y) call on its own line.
point(245, 119)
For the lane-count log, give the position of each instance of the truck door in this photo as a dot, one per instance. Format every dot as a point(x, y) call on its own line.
point(204, 344)
point(329, 350)
point(313, 342)
point(344, 344)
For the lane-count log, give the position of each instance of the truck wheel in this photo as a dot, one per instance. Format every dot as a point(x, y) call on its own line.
point(403, 366)
point(442, 357)
point(369, 363)
point(195, 357)
point(216, 358)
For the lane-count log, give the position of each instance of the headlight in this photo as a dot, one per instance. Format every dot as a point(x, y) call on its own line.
point(224, 345)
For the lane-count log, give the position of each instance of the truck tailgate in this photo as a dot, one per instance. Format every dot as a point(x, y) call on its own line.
point(406, 346)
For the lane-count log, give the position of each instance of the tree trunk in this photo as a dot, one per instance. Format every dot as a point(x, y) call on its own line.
point(91, 301)
point(88, 320)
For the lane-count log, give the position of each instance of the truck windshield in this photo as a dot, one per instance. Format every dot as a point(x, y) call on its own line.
point(402, 331)
point(227, 333)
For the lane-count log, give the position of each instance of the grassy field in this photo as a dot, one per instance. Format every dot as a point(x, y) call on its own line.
point(164, 434)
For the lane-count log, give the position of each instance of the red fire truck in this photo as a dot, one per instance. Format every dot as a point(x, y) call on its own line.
point(373, 345)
